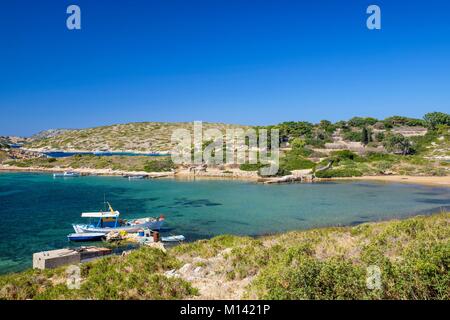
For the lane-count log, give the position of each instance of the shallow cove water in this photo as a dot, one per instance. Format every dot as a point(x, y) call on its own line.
point(37, 210)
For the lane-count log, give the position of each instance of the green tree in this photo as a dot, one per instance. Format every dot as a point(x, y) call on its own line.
point(379, 136)
point(433, 119)
point(298, 143)
point(398, 144)
point(403, 121)
point(327, 126)
point(360, 122)
point(365, 136)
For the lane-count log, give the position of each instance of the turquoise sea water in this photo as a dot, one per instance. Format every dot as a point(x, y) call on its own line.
point(37, 211)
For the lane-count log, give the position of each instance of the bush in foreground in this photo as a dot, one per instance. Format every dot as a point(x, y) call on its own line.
point(413, 257)
point(136, 276)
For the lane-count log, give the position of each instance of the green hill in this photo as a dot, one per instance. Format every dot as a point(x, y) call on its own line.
point(139, 136)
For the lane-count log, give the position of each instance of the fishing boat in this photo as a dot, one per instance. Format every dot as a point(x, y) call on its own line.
point(177, 238)
point(108, 221)
point(135, 176)
point(66, 174)
point(151, 239)
point(86, 236)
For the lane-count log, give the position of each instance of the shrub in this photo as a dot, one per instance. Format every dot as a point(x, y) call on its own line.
point(379, 136)
point(365, 136)
point(344, 155)
point(355, 136)
point(422, 142)
point(136, 276)
point(433, 119)
point(403, 121)
point(293, 129)
point(318, 143)
point(298, 143)
point(377, 156)
point(327, 126)
point(298, 275)
point(295, 162)
point(251, 166)
point(280, 173)
point(397, 143)
point(160, 165)
point(383, 166)
point(361, 122)
point(336, 173)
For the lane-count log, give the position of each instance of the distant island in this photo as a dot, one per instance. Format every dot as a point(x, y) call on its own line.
point(359, 147)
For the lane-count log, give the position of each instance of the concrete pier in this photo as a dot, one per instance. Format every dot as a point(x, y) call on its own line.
point(56, 258)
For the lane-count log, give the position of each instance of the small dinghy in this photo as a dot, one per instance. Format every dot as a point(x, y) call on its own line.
point(136, 177)
point(178, 238)
point(66, 174)
point(86, 236)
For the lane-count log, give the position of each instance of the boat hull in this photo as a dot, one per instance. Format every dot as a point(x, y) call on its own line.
point(80, 237)
point(153, 225)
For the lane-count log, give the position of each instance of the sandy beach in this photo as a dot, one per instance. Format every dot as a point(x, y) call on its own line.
point(425, 180)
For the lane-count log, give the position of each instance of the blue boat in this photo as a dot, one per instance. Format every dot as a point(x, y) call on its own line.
point(106, 222)
point(88, 236)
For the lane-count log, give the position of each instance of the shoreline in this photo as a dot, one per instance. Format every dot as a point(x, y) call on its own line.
point(250, 176)
point(437, 181)
point(85, 171)
point(43, 150)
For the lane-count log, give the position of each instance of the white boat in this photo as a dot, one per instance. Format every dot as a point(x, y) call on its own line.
point(109, 221)
point(135, 177)
point(89, 236)
point(178, 238)
point(149, 239)
point(66, 174)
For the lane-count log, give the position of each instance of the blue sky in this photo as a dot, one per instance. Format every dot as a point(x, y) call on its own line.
point(247, 62)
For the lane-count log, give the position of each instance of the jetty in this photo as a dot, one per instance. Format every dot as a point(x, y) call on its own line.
point(60, 257)
point(296, 176)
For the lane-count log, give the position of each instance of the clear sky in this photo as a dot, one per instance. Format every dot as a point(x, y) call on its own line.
point(246, 61)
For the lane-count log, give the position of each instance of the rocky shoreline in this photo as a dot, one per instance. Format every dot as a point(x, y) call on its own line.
point(45, 150)
point(251, 176)
point(86, 171)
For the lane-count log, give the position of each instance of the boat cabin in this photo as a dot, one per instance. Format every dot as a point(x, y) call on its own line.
point(104, 219)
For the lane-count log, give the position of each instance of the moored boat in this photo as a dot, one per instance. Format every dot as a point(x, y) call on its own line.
point(86, 236)
point(66, 174)
point(109, 221)
point(135, 176)
point(177, 238)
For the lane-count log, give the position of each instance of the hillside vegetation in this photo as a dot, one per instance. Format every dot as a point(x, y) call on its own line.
point(413, 256)
point(140, 136)
point(366, 146)
point(357, 147)
point(121, 163)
